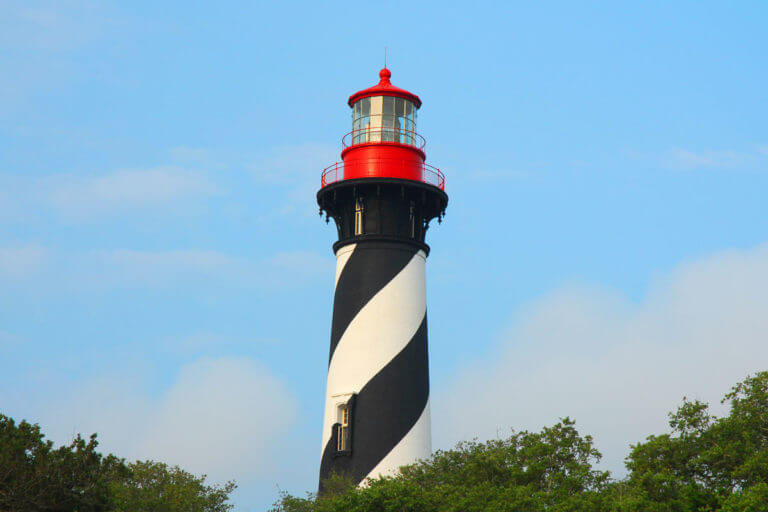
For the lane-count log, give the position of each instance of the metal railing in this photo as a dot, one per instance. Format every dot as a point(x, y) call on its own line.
point(429, 174)
point(383, 134)
point(332, 174)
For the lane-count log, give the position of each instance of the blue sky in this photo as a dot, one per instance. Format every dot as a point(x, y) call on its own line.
point(166, 282)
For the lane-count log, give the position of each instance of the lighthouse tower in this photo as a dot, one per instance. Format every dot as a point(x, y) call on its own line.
point(382, 197)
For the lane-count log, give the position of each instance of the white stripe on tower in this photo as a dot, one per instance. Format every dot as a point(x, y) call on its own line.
point(342, 257)
point(380, 356)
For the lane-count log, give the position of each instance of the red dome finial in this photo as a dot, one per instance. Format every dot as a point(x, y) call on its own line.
point(385, 88)
point(385, 75)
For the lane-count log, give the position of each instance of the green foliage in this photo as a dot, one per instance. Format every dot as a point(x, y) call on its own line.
point(155, 487)
point(705, 464)
point(549, 470)
point(36, 477)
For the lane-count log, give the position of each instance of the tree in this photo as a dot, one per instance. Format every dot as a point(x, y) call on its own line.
point(156, 487)
point(707, 463)
point(549, 470)
point(36, 477)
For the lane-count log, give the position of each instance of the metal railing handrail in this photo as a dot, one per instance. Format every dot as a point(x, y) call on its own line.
point(429, 174)
point(380, 134)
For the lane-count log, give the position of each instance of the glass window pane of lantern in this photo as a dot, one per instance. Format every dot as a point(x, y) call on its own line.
point(365, 112)
point(399, 119)
point(374, 133)
point(408, 124)
point(388, 111)
point(389, 106)
point(355, 122)
point(388, 119)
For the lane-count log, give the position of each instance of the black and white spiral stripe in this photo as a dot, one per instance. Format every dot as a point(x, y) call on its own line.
point(379, 356)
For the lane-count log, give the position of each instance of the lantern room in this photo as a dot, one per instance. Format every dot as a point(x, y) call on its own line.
point(383, 142)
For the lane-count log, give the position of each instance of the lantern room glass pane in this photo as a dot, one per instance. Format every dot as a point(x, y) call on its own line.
point(399, 107)
point(360, 120)
point(388, 119)
point(383, 118)
point(400, 120)
point(388, 106)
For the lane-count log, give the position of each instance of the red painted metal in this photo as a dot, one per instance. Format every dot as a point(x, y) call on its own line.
point(384, 88)
point(372, 161)
point(428, 174)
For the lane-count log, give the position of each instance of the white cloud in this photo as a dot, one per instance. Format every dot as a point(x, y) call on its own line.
point(615, 366)
point(295, 164)
point(143, 268)
point(55, 271)
point(286, 177)
point(98, 197)
point(226, 418)
point(9, 340)
point(180, 260)
point(125, 189)
point(222, 417)
point(684, 159)
point(297, 171)
point(50, 26)
point(197, 342)
point(37, 36)
point(190, 155)
point(17, 262)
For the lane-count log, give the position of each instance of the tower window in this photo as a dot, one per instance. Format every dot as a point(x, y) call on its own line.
point(342, 429)
point(358, 217)
point(412, 220)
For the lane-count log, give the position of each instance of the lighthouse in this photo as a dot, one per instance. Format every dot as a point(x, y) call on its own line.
point(382, 197)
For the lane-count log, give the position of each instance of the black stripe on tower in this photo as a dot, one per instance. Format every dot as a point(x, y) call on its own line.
point(385, 410)
point(370, 267)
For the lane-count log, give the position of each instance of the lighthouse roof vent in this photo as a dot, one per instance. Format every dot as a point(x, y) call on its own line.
point(385, 88)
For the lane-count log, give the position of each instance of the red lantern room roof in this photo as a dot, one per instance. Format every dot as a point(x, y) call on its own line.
point(385, 88)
